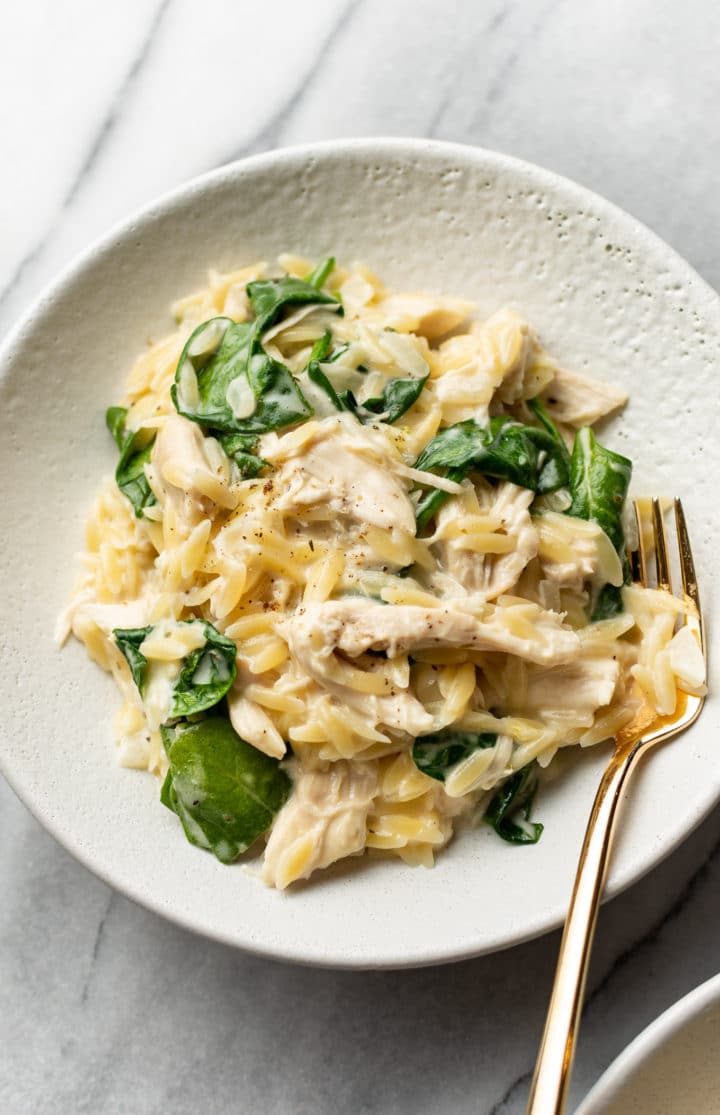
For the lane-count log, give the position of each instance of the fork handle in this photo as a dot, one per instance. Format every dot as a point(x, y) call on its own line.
point(548, 1091)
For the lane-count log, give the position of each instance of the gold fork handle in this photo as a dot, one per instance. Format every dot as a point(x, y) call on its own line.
point(549, 1087)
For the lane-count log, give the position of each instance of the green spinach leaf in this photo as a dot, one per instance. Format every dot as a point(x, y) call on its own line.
point(239, 447)
point(225, 792)
point(433, 499)
point(135, 450)
point(561, 461)
point(504, 449)
point(609, 602)
point(320, 274)
point(397, 397)
point(436, 754)
point(269, 297)
point(115, 418)
point(129, 640)
point(398, 394)
point(225, 359)
point(207, 674)
point(511, 804)
point(323, 349)
point(317, 376)
point(205, 677)
point(599, 481)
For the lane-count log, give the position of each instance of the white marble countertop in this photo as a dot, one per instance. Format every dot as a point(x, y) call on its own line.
point(106, 1008)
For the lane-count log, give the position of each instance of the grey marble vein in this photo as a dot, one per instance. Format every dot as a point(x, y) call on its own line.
point(99, 933)
point(523, 44)
point(270, 133)
point(100, 139)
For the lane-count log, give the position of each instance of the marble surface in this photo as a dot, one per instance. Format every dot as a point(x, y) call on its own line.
point(106, 1008)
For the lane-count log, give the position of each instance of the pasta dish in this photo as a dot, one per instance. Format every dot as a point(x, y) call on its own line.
point(360, 573)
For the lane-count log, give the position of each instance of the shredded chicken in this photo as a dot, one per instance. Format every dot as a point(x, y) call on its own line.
point(580, 687)
point(324, 820)
point(577, 400)
point(188, 478)
point(354, 626)
point(312, 647)
point(339, 466)
point(489, 573)
point(573, 551)
point(427, 315)
point(252, 722)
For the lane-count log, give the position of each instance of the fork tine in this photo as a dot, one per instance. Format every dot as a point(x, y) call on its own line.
point(687, 565)
point(637, 558)
point(661, 552)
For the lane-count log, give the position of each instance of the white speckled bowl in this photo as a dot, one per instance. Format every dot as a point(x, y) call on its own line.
point(606, 296)
point(671, 1068)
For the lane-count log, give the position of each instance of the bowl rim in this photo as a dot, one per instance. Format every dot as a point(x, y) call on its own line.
point(649, 1041)
point(176, 196)
point(174, 200)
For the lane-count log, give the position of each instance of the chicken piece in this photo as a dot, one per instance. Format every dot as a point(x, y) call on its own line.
point(340, 466)
point(354, 626)
point(579, 400)
point(324, 820)
point(312, 646)
point(251, 721)
point(513, 345)
point(499, 355)
point(580, 688)
point(106, 617)
point(427, 315)
point(191, 469)
point(573, 551)
point(489, 573)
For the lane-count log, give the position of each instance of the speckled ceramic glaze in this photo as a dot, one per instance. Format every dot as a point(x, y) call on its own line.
point(672, 1067)
point(606, 296)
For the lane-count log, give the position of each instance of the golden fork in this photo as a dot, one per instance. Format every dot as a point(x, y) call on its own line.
point(549, 1087)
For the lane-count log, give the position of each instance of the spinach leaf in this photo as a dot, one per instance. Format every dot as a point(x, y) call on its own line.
point(225, 358)
point(512, 799)
point(321, 273)
point(437, 753)
point(205, 677)
point(225, 792)
point(398, 394)
point(129, 640)
point(323, 349)
point(135, 450)
point(239, 448)
point(504, 449)
point(317, 376)
point(115, 421)
point(397, 397)
point(599, 481)
point(269, 297)
point(433, 499)
point(561, 461)
point(609, 602)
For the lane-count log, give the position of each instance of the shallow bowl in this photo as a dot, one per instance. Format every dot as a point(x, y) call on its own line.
point(672, 1067)
point(607, 297)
